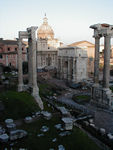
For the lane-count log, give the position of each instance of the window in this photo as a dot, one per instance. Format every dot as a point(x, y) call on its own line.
point(8, 49)
point(22, 49)
point(15, 49)
point(1, 56)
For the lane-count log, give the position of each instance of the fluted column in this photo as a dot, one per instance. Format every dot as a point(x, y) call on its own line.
point(106, 71)
point(20, 71)
point(96, 62)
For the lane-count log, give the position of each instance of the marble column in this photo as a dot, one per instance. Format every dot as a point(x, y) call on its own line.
point(20, 71)
point(30, 76)
point(69, 68)
point(74, 70)
point(106, 72)
point(96, 62)
point(35, 92)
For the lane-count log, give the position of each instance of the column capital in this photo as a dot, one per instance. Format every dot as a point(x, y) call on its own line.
point(96, 36)
point(107, 35)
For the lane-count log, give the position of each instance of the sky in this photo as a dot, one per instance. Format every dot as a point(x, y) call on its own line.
point(70, 19)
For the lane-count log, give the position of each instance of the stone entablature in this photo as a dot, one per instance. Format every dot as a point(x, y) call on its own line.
point(72, 52)
point(72, 64)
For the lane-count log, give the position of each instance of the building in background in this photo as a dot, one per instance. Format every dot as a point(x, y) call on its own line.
point(72, 64)
point(47, 46)
point(8, 52)
point(90, 49)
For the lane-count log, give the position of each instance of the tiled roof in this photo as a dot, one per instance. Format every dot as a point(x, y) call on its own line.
point(79, 42)
point(9, 42)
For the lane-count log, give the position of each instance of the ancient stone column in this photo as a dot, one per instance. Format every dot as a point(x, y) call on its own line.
point(74, 70)
point(35, 92)
point(20, 71)
point(30, 76)
point(96, 62)
point(106, 71)
point(69, 68)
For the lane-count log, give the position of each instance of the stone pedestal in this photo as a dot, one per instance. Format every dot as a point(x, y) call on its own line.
point(101, 97)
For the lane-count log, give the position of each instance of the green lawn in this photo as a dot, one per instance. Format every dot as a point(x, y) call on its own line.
point(81, 99)
point(17, 105)
point(78, 140)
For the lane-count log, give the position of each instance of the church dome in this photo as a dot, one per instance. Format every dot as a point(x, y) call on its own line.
point(45, 30)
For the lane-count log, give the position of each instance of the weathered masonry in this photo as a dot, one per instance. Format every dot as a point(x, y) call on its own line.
point(32, 75)
point(72, 64)
point(101, 94)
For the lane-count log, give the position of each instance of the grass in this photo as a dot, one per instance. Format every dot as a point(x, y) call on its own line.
point(81, 99)
point(111, 88)
point(77, 140)
point(17, 105)
point(44, 90)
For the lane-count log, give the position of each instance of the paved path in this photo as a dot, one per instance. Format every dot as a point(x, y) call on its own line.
point(102, 119)
point(67, 99)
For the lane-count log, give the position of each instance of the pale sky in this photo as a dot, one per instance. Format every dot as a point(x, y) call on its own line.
point(70, 19)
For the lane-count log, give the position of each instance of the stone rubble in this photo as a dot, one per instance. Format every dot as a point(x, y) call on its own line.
point(17, 134)
point(64, 111)
point(47, 115)
point(8, 121)
point(44, 129)
point(4, 138)
point(68, 123)
point(28, 119)
point(40, 135)
point(61, 147)
point(65, 133)
point(54, 140)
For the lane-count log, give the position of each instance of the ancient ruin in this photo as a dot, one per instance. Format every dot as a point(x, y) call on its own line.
point(30, 35)
point(101, 94)
point(72, 64)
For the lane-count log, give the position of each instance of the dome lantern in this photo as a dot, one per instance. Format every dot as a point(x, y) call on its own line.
point(45, 31)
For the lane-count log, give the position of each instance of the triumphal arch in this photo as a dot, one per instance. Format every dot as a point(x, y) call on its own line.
point(29, 34)
point(101, 94)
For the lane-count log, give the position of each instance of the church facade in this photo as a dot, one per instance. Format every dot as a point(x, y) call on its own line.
point(47, 46)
